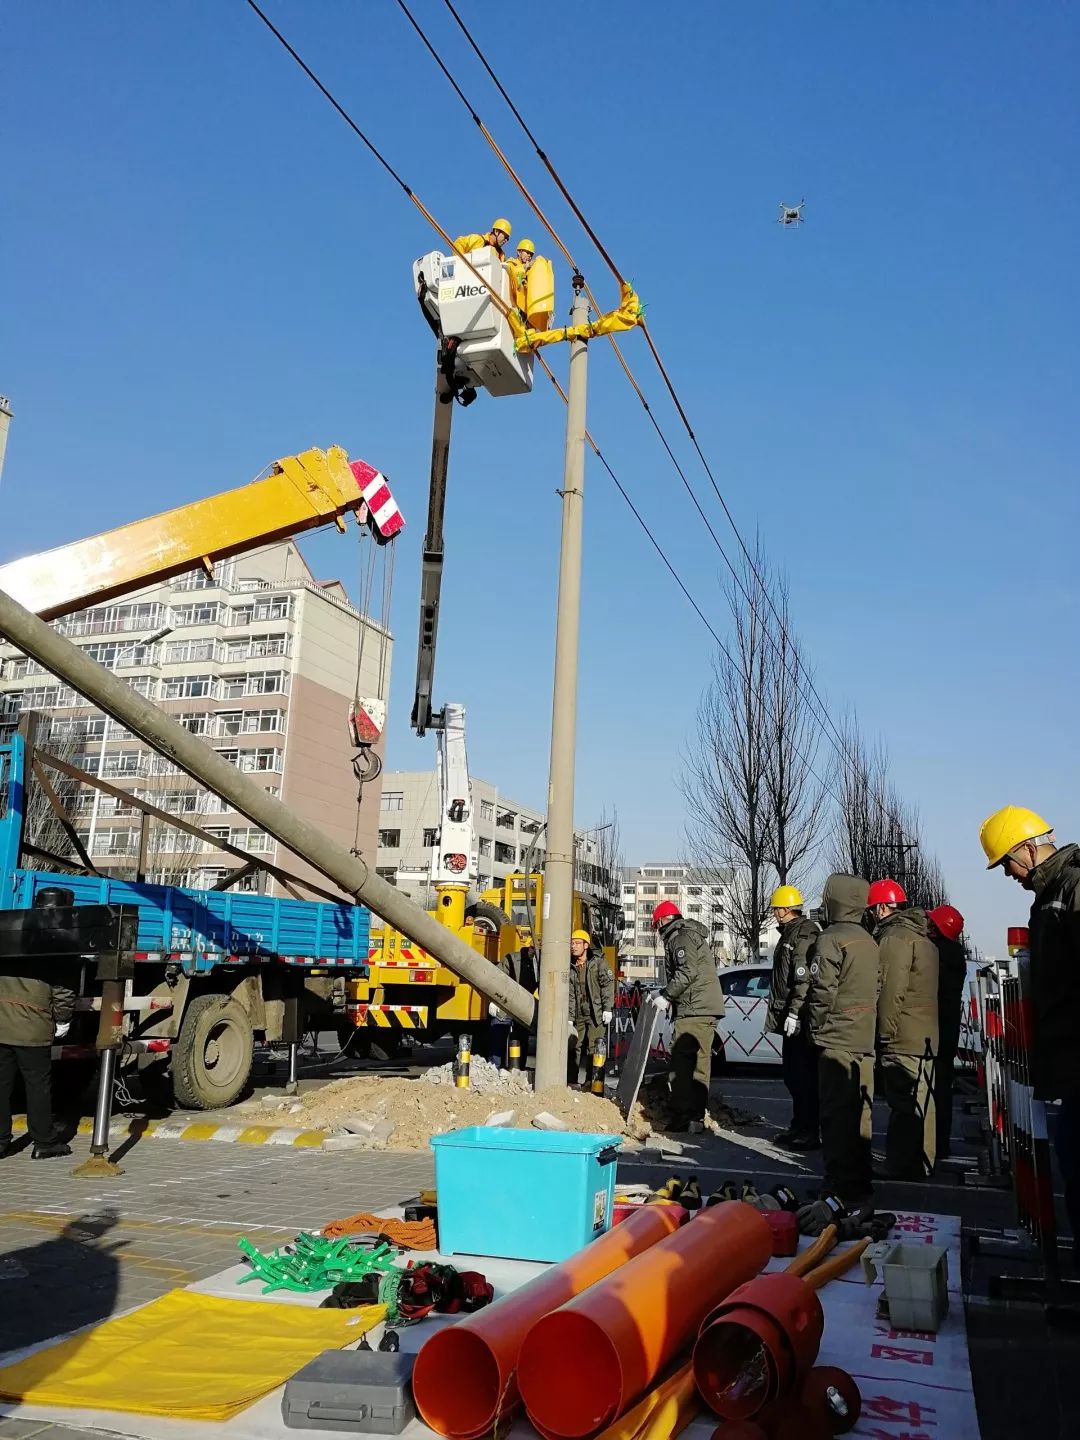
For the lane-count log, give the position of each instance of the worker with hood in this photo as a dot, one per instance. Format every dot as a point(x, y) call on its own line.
point(840, 1013)
point(907, 1031)
point(694, 996)
point(1022, 843)
point(784, 1016)
point(945, 925)
point(592, 1001)
point(498, 237)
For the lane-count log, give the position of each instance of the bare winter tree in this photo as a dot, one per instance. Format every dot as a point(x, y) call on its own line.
point(796, 796)
point(724, 771)
point(600, 873)
point(877, 834)
point(42, 824)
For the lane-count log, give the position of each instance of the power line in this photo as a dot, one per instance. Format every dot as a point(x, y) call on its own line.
point(413, 197)
point(824, 718)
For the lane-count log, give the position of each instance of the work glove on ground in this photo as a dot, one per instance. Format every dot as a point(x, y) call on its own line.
point(791, 1026)
point(751, 1196)
point(786, 1198)
point(866, 1224)
point(690, 1198)
point(671, 1189)
point(818, 1215)
point(727, 1191)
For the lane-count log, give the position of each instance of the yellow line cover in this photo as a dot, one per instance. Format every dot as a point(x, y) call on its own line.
point(197, 1357)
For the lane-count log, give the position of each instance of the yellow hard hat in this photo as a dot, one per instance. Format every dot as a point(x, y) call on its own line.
point(527, 245)
point(582, 935)
point(786, 897)
point(1008, 827)
point(504, 226)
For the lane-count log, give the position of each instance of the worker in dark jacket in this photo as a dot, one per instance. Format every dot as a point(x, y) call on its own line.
point(520, 966)
point(841, 1013)
point(592, 1000)
point(945, 925)
point(907, 1031)
point(694, 996)
point(33, 1009)
point(788, 990)
point(1022, 843)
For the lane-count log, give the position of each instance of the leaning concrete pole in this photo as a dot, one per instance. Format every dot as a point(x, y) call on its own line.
point(69, 663)
point(5, 422)
point(553, 1019)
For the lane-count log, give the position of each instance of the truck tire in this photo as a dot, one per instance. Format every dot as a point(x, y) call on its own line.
point(212, 1057)
point(485, 910)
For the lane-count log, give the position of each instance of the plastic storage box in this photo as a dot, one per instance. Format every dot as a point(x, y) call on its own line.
point(916, 1286)
point(523, 1194)
point(357, 1392)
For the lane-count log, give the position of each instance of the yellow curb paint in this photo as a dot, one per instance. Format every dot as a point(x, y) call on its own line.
point(199, 1132)
point(255, 1135)
point(310, 1137)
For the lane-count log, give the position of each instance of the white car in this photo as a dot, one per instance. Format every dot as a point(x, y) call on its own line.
point(740, 1033)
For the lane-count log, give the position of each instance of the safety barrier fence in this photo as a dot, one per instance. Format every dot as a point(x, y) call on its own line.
point(1018, 1142)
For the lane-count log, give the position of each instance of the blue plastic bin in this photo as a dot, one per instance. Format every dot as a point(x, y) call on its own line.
point(523, 1194)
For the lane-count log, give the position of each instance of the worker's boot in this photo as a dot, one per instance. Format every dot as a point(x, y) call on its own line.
point(52, 1150)
point(802, 1143)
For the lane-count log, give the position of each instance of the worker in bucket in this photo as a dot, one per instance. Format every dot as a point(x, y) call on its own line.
point(35, 1009)
point(519, 274)
point(592, 1002)
point(946, 924)
point(907, 1022)
point(498, 237)
point(694, 997)
point(788, 989)
point(840, 1015)
point(1022, 844)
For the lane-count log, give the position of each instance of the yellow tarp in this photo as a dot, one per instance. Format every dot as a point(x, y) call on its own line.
point(628, 314)
point(664, 1412)
point(196, 1357)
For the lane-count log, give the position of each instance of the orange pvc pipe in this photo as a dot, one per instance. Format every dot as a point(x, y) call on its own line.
point(465, 1377)
point(584, 1364)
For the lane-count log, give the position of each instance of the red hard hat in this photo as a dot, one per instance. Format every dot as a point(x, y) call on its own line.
point(665, 909)
point(948, 920)
point(886, 892)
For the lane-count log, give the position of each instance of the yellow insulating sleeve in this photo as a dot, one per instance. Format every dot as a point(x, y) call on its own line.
point(666, 1410)
point(628, 314)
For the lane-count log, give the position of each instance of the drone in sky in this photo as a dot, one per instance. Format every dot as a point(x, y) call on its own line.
point(791, 214)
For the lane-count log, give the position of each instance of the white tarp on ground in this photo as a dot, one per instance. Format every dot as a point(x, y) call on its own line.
point(915, 1386)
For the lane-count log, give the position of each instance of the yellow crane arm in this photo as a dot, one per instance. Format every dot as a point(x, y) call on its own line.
point(304, 491)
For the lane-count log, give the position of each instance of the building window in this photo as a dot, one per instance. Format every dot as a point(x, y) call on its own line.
point(204, 612)
point(693, 890)
point(196, 722)
point(648, 889)
point(504, 854)
point(393, 800)
point(485, 845)
point(193, 580)
point(505, 819)
point(187, 687)
point(487, 810)
point(431, 839)
point(671, 889)
point(653, 873)
point(390, 838)
point(278, 607)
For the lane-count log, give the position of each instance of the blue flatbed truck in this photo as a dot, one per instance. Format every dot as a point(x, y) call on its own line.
point(215, 971)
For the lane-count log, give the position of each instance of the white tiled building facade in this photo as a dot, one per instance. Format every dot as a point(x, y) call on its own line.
point(705, 898)
point(261, 662)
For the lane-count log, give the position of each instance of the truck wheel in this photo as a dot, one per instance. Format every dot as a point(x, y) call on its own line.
point(486, 911)
point(212, 1057)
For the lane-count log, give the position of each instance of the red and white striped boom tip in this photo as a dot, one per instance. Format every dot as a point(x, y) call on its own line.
point(386, 519)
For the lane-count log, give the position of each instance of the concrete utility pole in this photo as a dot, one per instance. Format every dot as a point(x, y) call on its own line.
point(5, 421)
point(34, 637)
point(553, 1020)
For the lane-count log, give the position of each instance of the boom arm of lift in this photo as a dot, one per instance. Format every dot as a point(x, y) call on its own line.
point(303, 492)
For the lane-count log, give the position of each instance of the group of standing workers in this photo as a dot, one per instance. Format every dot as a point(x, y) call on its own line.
point(869, 992)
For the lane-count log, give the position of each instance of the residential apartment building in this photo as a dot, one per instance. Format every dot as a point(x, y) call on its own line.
point(408, 829)
point(702, 897)
point(261, 662)
point(508, 835)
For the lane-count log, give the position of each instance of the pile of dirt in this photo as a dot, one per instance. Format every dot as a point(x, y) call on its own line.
point(419, 1110)
point(484, 1077)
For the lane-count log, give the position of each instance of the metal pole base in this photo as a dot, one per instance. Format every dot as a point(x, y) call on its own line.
point(292, 1085)
point(98, 1167)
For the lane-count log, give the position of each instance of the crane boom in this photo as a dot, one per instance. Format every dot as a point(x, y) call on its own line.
point(423, 717)
point(305, 491)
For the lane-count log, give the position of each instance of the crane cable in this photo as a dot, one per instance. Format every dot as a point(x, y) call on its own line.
point(501, 305)
point(836, 738)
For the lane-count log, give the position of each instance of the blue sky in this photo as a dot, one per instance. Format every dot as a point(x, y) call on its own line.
point(204, 270)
